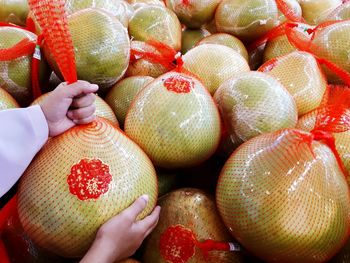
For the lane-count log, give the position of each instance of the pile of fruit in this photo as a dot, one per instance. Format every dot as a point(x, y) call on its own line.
point(232, 115)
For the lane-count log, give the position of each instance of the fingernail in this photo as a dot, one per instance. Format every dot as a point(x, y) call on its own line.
point(145, 198)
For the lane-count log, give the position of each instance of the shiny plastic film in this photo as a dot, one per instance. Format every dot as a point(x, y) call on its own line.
point(101, 46)
point(15, 71)
point(191, 37)
point(314, 11)
point(175, 121)
point(14, 11)
point(247, 20)
point(157, 23)
point(148, 60)
point(102, 108)
point(214, 64)
point(310, 84)
point(342, 12)
point(226, 40)
point(284, 197)
point(188, 220)
point(254, 103)
point(78, 181)
point(277, 47)
point(121, 95)
point(193, 13)
point(122, 10)
point(7, 101)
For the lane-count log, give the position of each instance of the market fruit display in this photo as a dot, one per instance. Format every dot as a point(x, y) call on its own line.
point(191, 37)
point(121, 95)
point(277, 47)
point(188, 218)
point(175, 121)
point(78, 181)
point(270, 192)
point(103, 58)
point(310, 84)
point(214, 64)
point(7, 101)
point(254, 103)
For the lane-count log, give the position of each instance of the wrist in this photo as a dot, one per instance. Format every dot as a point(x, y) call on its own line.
point(101, 251)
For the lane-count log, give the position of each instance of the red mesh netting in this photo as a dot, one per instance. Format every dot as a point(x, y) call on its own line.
point(52, 18)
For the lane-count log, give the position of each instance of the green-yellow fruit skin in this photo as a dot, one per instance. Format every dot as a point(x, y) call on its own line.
point(14, 11)
point(191, 37)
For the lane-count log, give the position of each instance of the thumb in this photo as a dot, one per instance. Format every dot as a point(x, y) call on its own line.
point(137, 207)
point(77, 88)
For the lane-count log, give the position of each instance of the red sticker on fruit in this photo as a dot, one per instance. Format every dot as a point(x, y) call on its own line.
point(177, 244)
point(89, 179)
point(179, 84)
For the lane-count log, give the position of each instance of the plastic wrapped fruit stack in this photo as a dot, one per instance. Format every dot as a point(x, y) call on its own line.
point(232, 115)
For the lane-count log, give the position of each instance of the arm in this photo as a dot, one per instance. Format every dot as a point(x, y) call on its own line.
point(23, 133)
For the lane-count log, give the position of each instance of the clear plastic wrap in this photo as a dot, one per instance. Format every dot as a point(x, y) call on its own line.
point(175, 121)
point(14, 11)
point(102, 108)
point(226, 40)
point(342, 12)
point(254, 103)
point(78, 181)
point(193, 13)
point(118, 8)
point(7, 101)
point(121, 95)
point(16, 50)
point(214, 64)
point(277, 47)
point(310, 84)
point(152, 22)
point(248, 20)
point(188, 230)
point(314, 11)
point(101, 47)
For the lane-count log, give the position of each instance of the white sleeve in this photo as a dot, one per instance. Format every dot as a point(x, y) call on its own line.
point(22, 134)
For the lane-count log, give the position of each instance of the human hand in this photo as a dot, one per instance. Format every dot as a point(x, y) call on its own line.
point(122, 235)
point(69, 105)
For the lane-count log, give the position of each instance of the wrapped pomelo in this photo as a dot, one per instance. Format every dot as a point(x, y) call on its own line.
point(193, 14)
point(214, 64)
point(293, 7)
point(226, 40)
point(211, 27)
point(254, 103)
point(189, 230)
point(277, 47)
point(121, 95)
point(101, 47)
point(138, 3)
point(152, 22)
point(140, 66)
point(102, 108)
point(16, 51)
point(118, 8)
point(191, 37)
point(315, 11)
point(175, 121)
point(248, 20)
point(340, 13)
point(7, 101)
point(302, 76)
point(284, 197)
point(14, 11)
point(78, 181)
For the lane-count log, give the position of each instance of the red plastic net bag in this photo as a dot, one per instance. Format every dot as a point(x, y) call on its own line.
point(190, 230)
point(284, 195)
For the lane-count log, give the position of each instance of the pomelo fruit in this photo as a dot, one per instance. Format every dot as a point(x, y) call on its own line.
point(214, 64)
point(254, 103)
point(121, 95)
point(14, 11)
point(7, 101)
point(101, 46)
point(246, 19)
point(314, 11)
point(342, 12)
point(129, 260)
point(310, 84)
point(226, 40)
point(193, 14)
point(277, 47)
point(191, 37)
point(283, 197)
point(187, 215)
point(294, 7)
point(78, 181)
point(152, 22)
point(175, 121)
